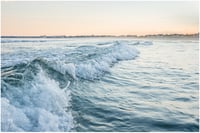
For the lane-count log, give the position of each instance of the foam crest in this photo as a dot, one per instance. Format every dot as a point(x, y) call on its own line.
point(64, 68)
point(94, 68)
point(39, 105)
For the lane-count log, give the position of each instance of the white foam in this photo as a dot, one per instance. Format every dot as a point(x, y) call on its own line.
point(12, 118)
point(37, 106)
point(63, 67)
point(94, 68)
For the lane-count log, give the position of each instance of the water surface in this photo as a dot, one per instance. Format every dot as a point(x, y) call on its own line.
point(99, 84)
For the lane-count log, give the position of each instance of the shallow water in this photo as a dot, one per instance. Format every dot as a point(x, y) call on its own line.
point(99, 84)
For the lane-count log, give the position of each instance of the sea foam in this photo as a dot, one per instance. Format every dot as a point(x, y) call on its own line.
point(41, 102)
point(39, 105)
point(101, 63)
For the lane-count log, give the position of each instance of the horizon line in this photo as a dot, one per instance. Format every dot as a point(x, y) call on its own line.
point(102, 35)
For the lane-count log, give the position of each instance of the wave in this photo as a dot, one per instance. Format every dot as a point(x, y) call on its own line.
point(88, 62)
point(36, 94)
point(101, 61)
point(37, 105)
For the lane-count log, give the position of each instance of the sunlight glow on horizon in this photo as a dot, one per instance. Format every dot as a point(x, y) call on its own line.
point(99, 18)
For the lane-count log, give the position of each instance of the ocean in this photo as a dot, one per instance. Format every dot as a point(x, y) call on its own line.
point(99, 84)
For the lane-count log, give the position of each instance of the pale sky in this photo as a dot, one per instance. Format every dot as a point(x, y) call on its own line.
point(98, 18)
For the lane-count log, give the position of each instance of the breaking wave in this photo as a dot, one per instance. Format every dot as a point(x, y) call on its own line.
point(100, 62)
point(35, 105)
point(36, 93)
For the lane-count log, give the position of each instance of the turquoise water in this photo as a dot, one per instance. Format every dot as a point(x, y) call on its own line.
point(99, 84)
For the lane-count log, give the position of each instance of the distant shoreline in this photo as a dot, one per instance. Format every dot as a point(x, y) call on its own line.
point(196, 35)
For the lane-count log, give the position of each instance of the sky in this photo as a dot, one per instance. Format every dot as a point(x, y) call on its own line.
point(98, 18)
